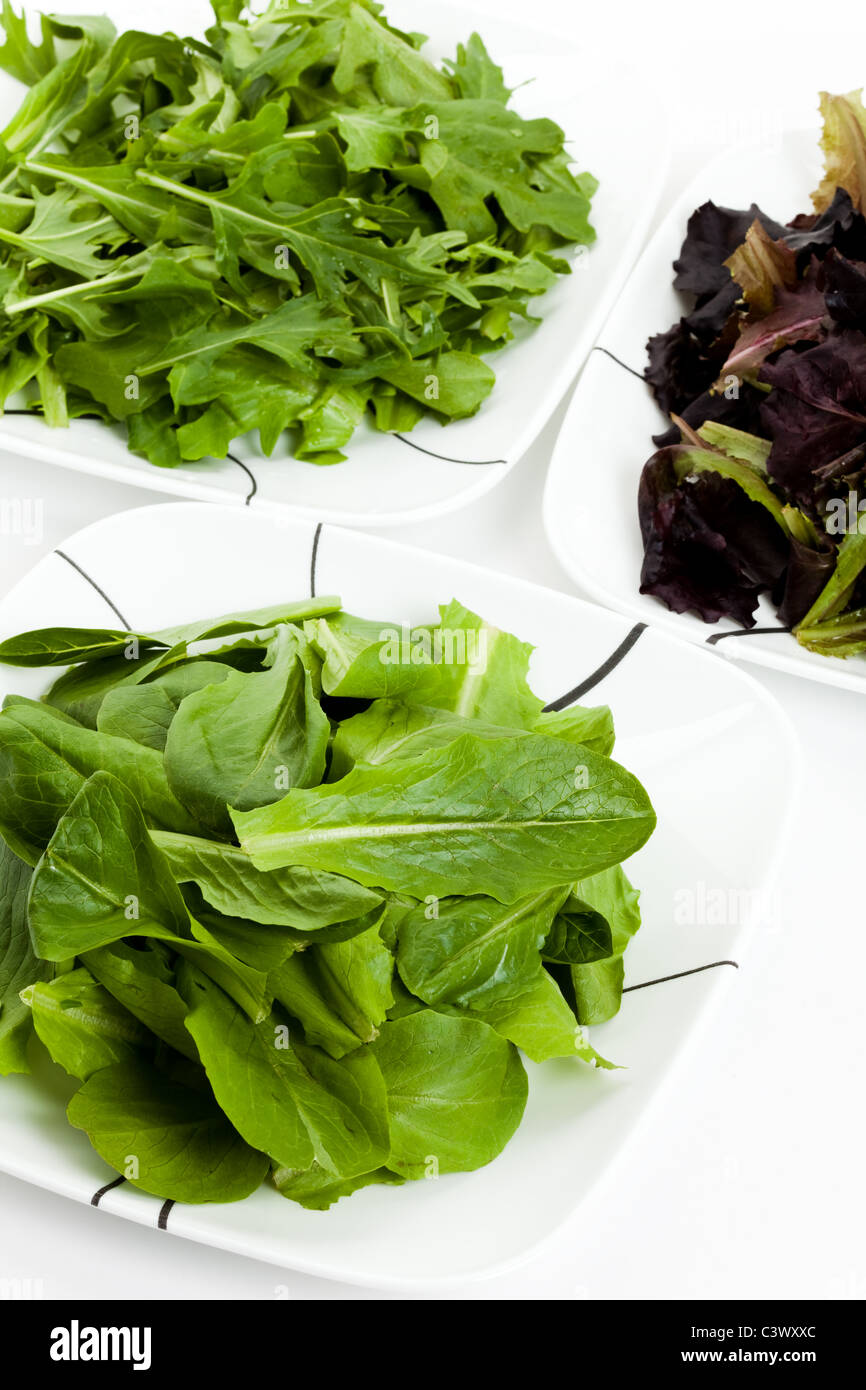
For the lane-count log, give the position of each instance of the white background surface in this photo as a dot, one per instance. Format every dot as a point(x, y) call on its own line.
point(747, 1181)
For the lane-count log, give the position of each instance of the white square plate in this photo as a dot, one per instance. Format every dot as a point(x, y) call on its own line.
point(590, 503)
point(390, 479)
point(714, 750)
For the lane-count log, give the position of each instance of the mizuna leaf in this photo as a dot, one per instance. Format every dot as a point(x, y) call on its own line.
point(297, 224)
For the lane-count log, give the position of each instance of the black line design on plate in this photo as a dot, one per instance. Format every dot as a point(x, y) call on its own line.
point(470, 463)
point(626, 368)
point(93, 584)
point(162, 1223)
point(40, 414)
point(598, 676)
point(745, 632)
point(250, 474)
point(313, 559)
point(681, 974)
point(98, 1196)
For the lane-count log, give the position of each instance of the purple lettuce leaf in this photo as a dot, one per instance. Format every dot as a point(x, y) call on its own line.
point(712, 235)
point(800, 315)
point(711, 317)
point(708, 548)
point(685, 361)
point(844, 285)
point(816, 411)
point(774, 344)
point(742, 411)
point(840, 225)
point(678, 369)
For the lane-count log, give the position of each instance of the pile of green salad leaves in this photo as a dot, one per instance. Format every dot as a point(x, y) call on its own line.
point(296, 223)
point(285, 891)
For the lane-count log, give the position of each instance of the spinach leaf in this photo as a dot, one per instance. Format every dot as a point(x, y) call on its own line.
point(102, 879)
point(578, 937)
point(597, 984)
point(261, 948)
point(168, 1139)
point(302, 898)
point(357, 977)
point(297, 987)
point(19, 966)
point(83, 1027)
point(44, 762)
point(338, 998)
point(317, 1110)
point(250, 621)
point(396, 729)
point(359, 658)
point(245, 741)
point(591, 725)
point(391, 729)
point(598, 989)
point(340, 992)
point(67, 646)
point(461, 665)
point(81, 691)
point(456, 1092)
point(482, 672)
point(317, 1190)
point(504, 819)
point(539, 1021)
point(142, 979)
point(469, 950)
point(62, 646)
point(144, 713)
